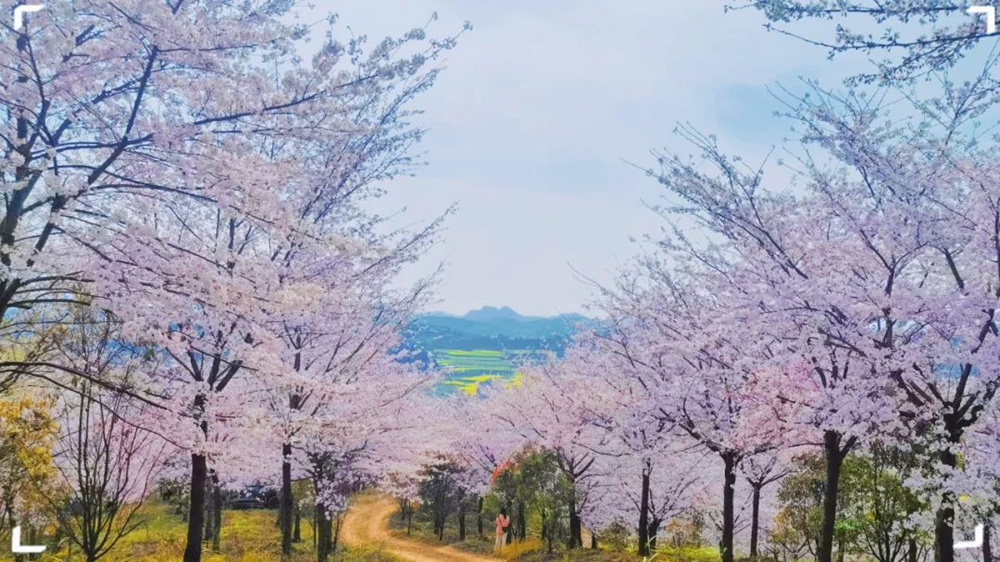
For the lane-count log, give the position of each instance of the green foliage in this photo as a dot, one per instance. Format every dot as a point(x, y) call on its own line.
point(873, 511)
point(27, 434)
point(440, 493)
point(176, 493)
point(797, 526)
point(533, 482)
point(876, 504)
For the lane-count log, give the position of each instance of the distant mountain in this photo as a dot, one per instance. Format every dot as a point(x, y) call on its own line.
point(486, 344)
point(492, 328)
point(492, 313)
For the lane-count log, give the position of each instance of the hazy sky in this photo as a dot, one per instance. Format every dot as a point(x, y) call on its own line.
point(540, 110)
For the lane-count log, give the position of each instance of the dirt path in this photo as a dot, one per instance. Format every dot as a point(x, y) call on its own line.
point(367, 523)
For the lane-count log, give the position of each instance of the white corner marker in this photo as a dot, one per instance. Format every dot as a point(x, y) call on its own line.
point(991, 16)
point(17, 548)
point(26, 9)
point(974, 543)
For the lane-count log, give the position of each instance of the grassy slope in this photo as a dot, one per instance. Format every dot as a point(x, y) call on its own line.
point(247, 536)
point(467, 369)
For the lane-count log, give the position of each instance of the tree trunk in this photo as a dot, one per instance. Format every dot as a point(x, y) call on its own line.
point(654, 529)
point(834, 457)
point(479, 516)
point(575, 528)
point(593, 540)
point(209, 512)
point(644, 514)
point(522, 522)
point(297, 530)
point(755, 521)
point(728, 511)
point(912, 551)
point(216, 512)
point(322, 534)
point(461, 520)
point(285, 500)
point(196, 511)
point(987, 547)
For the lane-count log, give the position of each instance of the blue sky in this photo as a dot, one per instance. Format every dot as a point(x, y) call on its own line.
point(540, 110)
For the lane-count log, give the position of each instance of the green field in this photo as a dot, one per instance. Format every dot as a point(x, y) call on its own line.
point(467, 369)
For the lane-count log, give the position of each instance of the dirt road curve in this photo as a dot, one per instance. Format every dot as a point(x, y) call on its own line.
point(367, 523)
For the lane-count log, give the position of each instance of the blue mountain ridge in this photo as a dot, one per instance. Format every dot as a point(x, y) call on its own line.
point(486, 344)
point(492, 328)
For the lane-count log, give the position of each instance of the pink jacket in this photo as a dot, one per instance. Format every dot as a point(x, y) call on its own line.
point(502, 522)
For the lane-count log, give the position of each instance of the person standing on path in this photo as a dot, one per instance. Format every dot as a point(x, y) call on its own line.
point(502, 522)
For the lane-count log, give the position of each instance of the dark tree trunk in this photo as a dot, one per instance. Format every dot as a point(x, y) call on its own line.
point(323, 539)
point(944, 519)
point(522, 522)
point(987, 547)
point(297, 530)
point(216, 512)
point(209, 512)
point(461, 520)
point(285, 500)
point(654, 530)
point(593, 541)
point(196, 511)
point(755, 521)
point(575, 528)
point(912, 551)
point(409, 523)
point(644, 514)
point(728, 510)
point(834, 457)
point(944, 532)
point(479, 516)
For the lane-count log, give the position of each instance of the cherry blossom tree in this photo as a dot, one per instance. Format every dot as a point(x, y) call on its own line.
point(107, 458)
point(172, 157)
point(864, 281)
point(916, 38)
point(102, 100)
point(480, 445)
point(677, 333)
point(761, 471)
point(551, 409)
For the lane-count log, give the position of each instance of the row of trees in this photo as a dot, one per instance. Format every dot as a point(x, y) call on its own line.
point(193, 285)
point(846, 320)
point(191, 274)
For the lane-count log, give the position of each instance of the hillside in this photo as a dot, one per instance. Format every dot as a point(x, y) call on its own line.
point(487, 344)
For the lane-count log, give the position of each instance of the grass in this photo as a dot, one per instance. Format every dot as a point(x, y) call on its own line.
point(252, 536)
point(247, 536)
point(467, 369)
